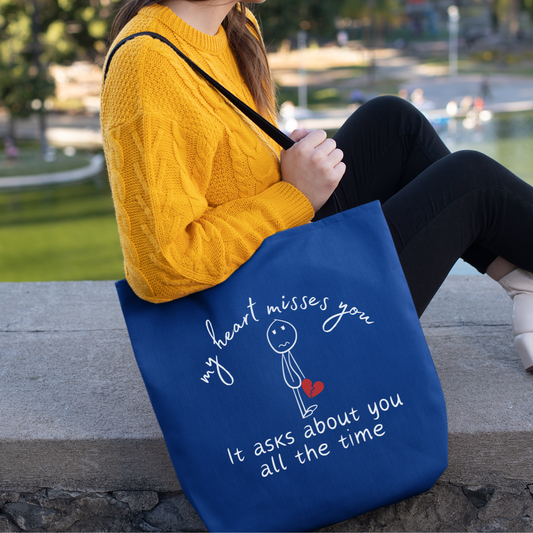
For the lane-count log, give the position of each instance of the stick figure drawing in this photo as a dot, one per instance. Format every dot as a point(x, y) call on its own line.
point(282, 336)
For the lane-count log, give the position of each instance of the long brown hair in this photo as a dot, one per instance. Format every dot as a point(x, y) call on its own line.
point(245, 42)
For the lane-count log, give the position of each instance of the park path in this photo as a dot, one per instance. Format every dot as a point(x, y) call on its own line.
point(95, 167)
point(506, 93)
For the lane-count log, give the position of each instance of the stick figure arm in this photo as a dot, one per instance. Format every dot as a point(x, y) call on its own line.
point(290, 375)
point(294, 366)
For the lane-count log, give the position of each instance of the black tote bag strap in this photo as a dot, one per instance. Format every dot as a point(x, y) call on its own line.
point(274, 133)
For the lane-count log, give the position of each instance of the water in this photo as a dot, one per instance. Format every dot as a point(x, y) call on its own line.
point(507, 138)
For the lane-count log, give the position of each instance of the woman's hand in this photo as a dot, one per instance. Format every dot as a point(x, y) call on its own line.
point(313, 165)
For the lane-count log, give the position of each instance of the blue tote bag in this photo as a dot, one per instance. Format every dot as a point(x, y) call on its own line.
point(300, 392)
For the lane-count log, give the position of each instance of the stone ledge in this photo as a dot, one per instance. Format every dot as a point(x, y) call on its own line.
point(72, 396)
point(75, 416)
point(489, 396)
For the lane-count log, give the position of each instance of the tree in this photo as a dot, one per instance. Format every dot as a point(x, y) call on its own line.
point(78, 27)
point(23, 90)
point(507, 15)
point(379, 13)
point(281, 19)
point(36, 33)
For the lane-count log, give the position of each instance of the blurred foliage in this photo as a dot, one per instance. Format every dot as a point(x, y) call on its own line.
point(379, 11)
point(62, 30)
point(281, 19)
point(375, 14)
point(36, 33)
point(505, 14)
point(24, 88)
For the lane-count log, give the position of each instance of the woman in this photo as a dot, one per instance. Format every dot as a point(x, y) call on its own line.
point(197, 187)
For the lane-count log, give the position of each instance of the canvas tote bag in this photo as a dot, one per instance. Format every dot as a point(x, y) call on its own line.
point(300, 392)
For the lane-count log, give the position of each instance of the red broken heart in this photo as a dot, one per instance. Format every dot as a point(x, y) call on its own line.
point(310, 389)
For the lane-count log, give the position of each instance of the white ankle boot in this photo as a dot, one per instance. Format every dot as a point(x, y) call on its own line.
point(518, 284)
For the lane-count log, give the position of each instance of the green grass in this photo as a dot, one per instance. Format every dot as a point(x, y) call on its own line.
point(70, 233)
point(60, 234)
point(30, 161)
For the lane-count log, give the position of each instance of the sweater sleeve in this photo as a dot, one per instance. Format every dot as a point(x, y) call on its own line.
point(193, 200)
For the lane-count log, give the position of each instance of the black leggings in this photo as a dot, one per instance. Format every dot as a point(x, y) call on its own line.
point(439, 206)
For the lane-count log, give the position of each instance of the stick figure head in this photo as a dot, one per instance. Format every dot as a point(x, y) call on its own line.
point(281, 336)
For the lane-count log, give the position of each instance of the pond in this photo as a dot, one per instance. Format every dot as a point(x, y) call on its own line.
point(506, 137)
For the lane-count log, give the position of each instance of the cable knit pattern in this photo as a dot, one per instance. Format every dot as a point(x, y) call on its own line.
point(196, 185)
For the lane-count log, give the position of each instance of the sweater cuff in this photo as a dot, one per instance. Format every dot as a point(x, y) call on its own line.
point(292, 206)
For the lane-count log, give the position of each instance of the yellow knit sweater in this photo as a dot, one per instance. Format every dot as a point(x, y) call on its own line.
point(196, 185)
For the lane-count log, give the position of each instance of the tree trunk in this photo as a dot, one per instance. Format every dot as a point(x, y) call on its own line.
point(42, 132)
point(514, 22)
point(36, 51)
point(508, 19)
point(12, 132)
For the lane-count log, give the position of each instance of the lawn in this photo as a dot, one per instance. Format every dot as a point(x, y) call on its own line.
point(69, 232)
point(30, 161)
point(60, 234)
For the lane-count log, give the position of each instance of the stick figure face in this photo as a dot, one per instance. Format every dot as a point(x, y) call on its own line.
point(281, 336)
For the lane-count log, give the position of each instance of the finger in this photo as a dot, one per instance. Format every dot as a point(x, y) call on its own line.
point(315, 138)
point(327, 153)
point(327, 147)
point(340, 168)
point(336, 156)
point(299, 134)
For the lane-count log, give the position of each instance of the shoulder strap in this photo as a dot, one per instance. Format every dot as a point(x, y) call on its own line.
point(276, 134)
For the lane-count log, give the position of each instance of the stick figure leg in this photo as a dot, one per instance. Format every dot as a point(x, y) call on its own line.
point(305, 412)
